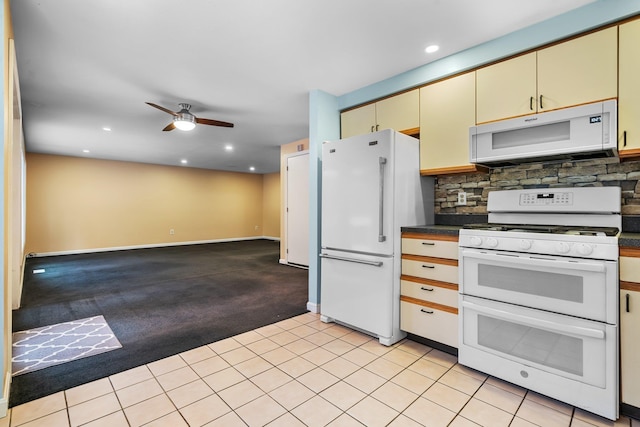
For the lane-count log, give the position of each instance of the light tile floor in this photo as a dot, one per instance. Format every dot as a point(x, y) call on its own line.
point(302, 372)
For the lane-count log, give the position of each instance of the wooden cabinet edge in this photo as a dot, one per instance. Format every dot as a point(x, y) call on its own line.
point(430, 282)
point(454, 170)
point(631, 154)
point(429, 304)
point(411, 132)
point(629, 286)
point(630, 252)
point(434, 260)
point(417, 235)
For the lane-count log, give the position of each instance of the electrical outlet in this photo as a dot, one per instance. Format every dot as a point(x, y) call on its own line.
point(257, 227)
point(462, 199)
point(172, 231)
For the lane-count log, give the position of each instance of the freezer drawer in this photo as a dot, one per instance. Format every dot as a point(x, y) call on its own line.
point(359, 290)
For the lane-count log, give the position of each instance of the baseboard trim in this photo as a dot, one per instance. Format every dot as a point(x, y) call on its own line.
point(4, 401)
point(313, 307)
point(155, 245)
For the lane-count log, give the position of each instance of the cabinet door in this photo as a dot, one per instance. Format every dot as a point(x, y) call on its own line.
point(630, 347)
point(447, 110)
point(507, 89)
point(629, 91)
point(579, 71)
point(358, 121)
point(400, 112)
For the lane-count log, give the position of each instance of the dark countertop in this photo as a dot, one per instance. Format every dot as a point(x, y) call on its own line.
point(451, 224)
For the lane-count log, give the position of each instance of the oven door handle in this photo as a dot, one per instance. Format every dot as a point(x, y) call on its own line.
point(536, 262)
point(532, 321)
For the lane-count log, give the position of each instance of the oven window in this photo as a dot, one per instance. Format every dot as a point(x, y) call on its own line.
point(546, 348)
point(541, 283)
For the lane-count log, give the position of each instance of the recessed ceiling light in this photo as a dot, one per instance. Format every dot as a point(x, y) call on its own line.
point(86, 151)
point(432, 48)
point(106, 129)
point(252, 168)
point(228, 147)
point(184, 161)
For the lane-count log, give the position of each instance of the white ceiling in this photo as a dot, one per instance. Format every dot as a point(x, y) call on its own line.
point(84, 65)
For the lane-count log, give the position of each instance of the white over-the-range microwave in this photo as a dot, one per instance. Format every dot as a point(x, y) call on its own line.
point(588, 130)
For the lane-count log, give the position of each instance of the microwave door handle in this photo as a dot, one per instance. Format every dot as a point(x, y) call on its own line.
point(532, 321)
point(537, 262)
point(381, 237)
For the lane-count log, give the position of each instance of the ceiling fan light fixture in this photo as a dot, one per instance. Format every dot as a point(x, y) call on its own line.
point(184, 122)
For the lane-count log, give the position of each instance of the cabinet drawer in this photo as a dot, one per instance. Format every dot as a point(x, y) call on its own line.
point(428, 247)
point(427, 322)
point(428, 292)
point(629, 269)
point(429, 269)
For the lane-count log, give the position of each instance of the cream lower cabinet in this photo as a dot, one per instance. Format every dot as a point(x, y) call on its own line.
point(630, 326)
point(429, 287)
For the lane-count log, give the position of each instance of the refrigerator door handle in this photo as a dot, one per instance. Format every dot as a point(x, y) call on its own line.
point(358, 261)
point(381, 237)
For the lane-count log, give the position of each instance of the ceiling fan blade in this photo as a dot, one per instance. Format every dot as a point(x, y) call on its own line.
point(161, 108)
point(213, 122)
point(169, 127)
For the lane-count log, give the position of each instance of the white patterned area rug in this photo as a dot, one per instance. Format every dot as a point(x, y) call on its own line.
point(52, 345)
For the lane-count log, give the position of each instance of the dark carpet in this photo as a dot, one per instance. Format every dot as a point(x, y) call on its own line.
point(158, 302)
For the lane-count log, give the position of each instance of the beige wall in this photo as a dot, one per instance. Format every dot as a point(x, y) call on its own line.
point(271, 205)
point(76, 204)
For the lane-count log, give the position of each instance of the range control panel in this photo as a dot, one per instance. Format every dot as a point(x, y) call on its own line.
point(546, 199)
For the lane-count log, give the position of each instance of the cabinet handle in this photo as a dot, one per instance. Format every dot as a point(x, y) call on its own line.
point(531, 103)
point(624, 138)
point(541, 106)
point(372, 126)
point(426, 289)
point(377, 128)
point(426, 311)
point(428, 266)
point(627, 302)
point(428, 243)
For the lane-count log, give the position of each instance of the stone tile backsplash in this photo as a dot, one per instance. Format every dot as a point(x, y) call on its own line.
point(578, 173)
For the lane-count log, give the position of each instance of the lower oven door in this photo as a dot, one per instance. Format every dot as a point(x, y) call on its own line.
point(578, 287)
point(567, 358)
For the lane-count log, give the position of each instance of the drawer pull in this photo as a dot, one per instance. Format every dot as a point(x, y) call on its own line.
point(428, 243)
point(426, 289)
point(426, 311)
point(428, 266)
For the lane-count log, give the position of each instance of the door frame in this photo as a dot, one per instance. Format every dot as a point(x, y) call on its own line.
point(285, 240)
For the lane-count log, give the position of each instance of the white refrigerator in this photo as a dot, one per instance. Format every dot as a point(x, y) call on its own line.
point(371, 186)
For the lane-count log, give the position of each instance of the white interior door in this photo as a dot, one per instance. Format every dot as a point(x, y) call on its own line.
point(297, 210)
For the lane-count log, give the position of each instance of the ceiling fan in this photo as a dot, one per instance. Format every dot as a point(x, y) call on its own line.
point(184, 120)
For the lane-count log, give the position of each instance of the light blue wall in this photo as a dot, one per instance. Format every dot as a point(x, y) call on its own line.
point(324, 123)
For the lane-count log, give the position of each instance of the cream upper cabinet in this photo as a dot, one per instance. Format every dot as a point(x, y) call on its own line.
point(629, 89)
point(507, 89)
point(575, 72)
point(579, 71)
point(399, 112)
point(630, 326)
point(447, 110)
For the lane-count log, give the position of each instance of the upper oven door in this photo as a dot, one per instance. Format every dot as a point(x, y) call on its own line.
point(579, 287)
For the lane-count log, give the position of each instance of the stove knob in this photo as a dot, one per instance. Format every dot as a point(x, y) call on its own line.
point(584, 249)
point(475, 241)
point(492, 242)
point(525, 244)
point(563, 247)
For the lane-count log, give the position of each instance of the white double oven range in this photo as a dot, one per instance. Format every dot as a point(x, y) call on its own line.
point(539, 293)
